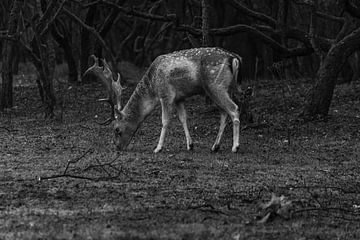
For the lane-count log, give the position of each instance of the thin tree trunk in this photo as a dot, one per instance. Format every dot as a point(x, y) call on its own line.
point(205, 23)
point(72, 65)
point(85, 43)
point(64, 41)
point(105, 28)
point(354, 63)
point(43, 53)
point(8, 52)
point(46, 70)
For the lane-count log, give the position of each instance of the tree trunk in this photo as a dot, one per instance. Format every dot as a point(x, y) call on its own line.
point(321, 94)
point(104, 30)
point(205, 23)
point(354, 63)
point(8, 52)
point(65, 42)
point(46, 69)
point(16, 58)
point(85, 43)
point(72, 65)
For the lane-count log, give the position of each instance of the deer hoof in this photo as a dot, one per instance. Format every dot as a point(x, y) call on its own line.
point(157, 150)
point(215, 148)
point(190, 147)
point(235, 149)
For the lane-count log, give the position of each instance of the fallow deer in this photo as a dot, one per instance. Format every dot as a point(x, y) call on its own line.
point(173, 77)
point(112, 86)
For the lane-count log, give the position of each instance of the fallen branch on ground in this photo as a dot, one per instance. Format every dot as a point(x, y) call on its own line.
point(99, 165)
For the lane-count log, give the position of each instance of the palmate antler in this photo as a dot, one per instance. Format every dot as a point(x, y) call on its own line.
point(113, 86)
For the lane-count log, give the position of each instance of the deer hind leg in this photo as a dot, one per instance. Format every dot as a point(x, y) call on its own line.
point(216, 145)
point(221, 97)
point(165, 119)
point(182, 117)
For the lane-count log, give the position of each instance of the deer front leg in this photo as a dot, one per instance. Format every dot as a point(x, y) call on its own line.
point(182, 117)
point(216, 145)
point(165, 119)
point(236, 133)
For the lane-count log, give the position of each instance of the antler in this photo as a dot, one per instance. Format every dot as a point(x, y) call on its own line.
point(113, 88)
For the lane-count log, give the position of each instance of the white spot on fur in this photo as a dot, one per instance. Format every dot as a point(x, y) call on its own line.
point(180, 62)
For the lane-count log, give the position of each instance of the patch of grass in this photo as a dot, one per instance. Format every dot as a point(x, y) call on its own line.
point(178, 194)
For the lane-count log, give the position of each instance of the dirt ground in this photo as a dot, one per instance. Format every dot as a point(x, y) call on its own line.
point(178, 194)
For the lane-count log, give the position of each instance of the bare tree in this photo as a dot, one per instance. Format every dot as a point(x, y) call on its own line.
point(342, 47)
point(7, 55)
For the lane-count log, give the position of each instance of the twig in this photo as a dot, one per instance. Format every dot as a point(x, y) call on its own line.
point(66, 175)
point(7, 129)
point(77, 159)
point(110, 165)
point(211, 209)
point(101, 165)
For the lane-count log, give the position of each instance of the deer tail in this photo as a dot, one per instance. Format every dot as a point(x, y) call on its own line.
point(236, 63)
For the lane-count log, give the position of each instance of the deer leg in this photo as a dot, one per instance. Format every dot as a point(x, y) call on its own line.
point(182, 117)
point(165, 119)
point(216, 145)
point(223, 100)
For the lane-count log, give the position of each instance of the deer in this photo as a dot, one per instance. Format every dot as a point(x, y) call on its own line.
point(112, 86)
point(173, 77)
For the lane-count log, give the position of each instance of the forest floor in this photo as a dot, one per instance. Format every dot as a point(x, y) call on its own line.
point(178, 194)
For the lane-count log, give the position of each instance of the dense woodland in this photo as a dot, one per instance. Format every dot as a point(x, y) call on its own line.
point(315, 39)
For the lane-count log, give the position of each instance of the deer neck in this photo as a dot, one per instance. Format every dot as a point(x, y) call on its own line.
point(141, 103)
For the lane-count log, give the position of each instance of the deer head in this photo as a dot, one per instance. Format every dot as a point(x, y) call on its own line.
point(112, 86)
point(123, 130)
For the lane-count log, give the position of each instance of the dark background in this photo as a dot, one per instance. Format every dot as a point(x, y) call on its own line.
point(312, 39)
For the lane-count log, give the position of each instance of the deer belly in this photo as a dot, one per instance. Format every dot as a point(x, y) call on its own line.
point(183, 87)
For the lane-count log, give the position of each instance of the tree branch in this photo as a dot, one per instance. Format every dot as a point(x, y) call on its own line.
point(5, 36)
point(93, 31)
point(352, 9)
point(313, 28)
point(109, 22)
point(251, 13)
point(285, 52)
point(344, 29)
point(136, 13)
point(49, 16)
point(340, 20)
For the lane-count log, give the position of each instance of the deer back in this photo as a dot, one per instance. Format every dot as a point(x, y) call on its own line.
point(189, 72)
